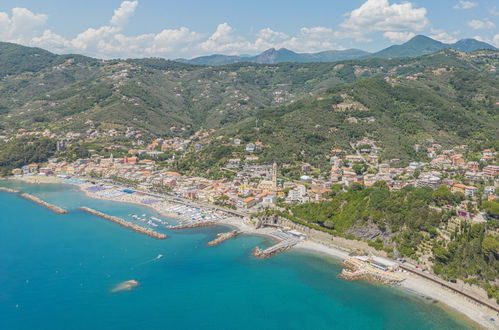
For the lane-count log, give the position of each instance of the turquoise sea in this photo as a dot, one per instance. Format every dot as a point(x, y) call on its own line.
point(56, 272)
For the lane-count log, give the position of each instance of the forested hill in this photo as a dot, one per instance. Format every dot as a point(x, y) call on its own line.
point(450, 105)
point(41, 90)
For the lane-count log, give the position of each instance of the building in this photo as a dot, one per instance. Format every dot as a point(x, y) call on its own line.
point(247, 203)
point(473, 166)
point(457, 160)
point(489, 190)
point(274, 175)
point(296, 194)
point(269, 200)
point(468, 191)
point(491, 170)
point(250, 147)
point(306, 167)
point(384, 168)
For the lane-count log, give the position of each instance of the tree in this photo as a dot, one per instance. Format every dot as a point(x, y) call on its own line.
point(492, 208)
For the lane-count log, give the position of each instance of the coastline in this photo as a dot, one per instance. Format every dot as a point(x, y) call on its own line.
point(472, 311)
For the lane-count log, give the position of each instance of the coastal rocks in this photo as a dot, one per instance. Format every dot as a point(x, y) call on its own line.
point(39, 201)
point(125, 286)
point(222, 237)
point(126, 224)
point(369, 231)
point(357, 269)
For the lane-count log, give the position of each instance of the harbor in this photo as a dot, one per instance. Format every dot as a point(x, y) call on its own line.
point(124, 223)
point(193, 224)
point(39, 201)
point(222, 237)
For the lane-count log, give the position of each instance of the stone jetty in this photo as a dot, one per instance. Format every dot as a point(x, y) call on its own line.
point(126, 224)
point(222, 237)
point(275, 249)
point(39, 201)
point(9, 190)
point(193, 224)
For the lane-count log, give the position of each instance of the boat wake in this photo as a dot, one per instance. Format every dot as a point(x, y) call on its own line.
point(159, 256)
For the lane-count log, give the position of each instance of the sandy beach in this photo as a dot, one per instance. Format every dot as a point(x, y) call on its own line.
point(479, 314)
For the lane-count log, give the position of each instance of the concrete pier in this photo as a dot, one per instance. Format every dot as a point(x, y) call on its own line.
point(222, 237)
point(193, 224)
point(275, 249)
point(9, 190)
point(126, 224)
point(39, 201)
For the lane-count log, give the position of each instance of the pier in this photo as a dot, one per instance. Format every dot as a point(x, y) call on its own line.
point(367, 269)
point(39, 201)
point(222, 237)
point(9, 190)
point(193, 224)
point(124, 223)
point(275, 249)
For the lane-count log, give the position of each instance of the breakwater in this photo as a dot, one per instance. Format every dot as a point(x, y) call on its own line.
point(275, 249)
point(124, 223)
point(9, 190)
point(222, 237)
point(193, 224)
point(39, 201)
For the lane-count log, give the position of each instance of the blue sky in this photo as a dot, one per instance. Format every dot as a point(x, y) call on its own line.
point(188, 28)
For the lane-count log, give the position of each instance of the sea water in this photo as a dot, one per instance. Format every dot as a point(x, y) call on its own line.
point(58, 271)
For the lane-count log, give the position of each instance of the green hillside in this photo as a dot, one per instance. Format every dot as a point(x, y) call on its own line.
point(293, 101)
point(450, 107)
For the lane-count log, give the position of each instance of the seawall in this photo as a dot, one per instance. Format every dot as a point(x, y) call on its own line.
point(223, 237)
point(124, 223)
point(39, 201)
point(9, 190)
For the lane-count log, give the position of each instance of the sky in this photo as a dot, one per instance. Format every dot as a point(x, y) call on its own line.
point(189, 28)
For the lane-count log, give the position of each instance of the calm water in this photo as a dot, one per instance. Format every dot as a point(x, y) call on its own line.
point(56, 272)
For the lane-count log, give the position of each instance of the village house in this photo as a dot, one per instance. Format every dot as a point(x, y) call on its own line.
point(468, 191)
point(491, 170)
point(473, 166)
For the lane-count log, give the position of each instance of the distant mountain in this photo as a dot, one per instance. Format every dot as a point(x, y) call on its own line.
point(273, 56)
point(15, 59)
point(469, 45)
point(422, 45)
point(216, 59)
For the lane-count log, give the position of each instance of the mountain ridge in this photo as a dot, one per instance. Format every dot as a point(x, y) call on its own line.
point(417, 46)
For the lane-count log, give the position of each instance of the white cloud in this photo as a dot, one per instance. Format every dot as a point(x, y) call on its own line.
point(381, 16)
point(494, 41)
point(270, 35)
point(493, 11)
point(462, 4)
point(442, 36)
point(398, 36)
point(481, 25)
point(122, 14)
point(397, 22)
point(21, 25)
